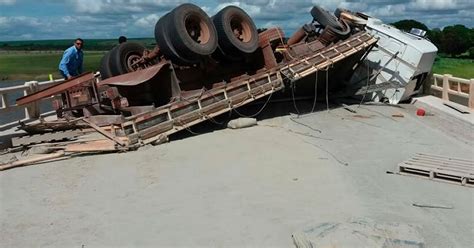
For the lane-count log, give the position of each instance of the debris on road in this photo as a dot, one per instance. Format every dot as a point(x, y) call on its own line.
point(439, 168)
point(32, 160)
point(420, 112)
point(423, 205)
point(242, 123)
point(359, 233)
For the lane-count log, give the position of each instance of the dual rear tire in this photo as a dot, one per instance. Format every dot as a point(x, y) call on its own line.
point(187, 35)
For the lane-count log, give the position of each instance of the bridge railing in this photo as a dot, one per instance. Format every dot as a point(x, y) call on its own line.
point(448, 87)
point(30, 87)
point(32, 110)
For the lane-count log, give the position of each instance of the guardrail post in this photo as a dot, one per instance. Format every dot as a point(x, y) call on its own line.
point(471, 94)
point(445, 95)
point(4, 100)
point(429, 81)
point(33, 109)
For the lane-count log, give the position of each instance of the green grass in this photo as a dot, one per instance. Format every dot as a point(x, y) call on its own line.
point(463, 68)
point(34, 65)
point(37, 66)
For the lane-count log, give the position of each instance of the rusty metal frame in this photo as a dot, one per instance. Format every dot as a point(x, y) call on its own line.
point(158, 124)
point(57, 89)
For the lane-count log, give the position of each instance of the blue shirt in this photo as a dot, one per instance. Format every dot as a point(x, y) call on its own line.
point(71, 63)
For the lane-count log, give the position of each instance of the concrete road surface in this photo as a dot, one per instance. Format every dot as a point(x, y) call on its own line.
point(250, 187)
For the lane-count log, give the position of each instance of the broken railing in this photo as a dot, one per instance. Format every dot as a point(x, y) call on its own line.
point(448, 87)
point(31, 111)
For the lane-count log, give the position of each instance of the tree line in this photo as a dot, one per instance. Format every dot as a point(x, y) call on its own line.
point(456, 40)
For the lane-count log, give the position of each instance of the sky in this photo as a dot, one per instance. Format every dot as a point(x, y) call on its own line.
point(67, 19)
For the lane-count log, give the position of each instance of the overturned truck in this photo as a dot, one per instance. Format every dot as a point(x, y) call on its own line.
point(200, 68)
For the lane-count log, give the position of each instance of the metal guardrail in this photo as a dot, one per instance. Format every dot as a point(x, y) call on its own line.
point(449, 85)
point(33, 110)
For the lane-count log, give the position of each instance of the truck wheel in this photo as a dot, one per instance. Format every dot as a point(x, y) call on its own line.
point(123, 57)
point(162, 38)
point(105, 66)
point(338, 12)
point(191, 32)
point(345, 31)
point(236, 31)
point(325, 18)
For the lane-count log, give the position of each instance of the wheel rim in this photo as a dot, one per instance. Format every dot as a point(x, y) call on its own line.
point(241, 29)
point(132, 64)
point(197, 29)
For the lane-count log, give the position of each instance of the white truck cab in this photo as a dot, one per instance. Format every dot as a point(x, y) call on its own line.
point(401, 62)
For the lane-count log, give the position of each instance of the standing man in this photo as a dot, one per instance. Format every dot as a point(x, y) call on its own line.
point(71, 63)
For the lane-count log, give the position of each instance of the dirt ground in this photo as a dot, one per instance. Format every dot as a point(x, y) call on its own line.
point(250, 187)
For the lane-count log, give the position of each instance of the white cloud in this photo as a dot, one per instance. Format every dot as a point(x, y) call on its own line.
point(136, 18)
point(148, 21)
point(121, 6)
point(7, 2)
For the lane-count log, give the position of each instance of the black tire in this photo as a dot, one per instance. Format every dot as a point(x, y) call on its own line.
point(338, 12)
point(344, 33)
point(122, 56)
point(181, 21)
point(325, 18)
point(232, 18)
point(162, 38)
point(105, 66)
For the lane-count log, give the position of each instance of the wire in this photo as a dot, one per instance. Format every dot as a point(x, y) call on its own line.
point(315, 92)
point(294, 100)
point(188, 128)
point(305, 125)
point(260, 111)
point(366, 86)
point(315, 97)
point(327, 88)
point(328, 152)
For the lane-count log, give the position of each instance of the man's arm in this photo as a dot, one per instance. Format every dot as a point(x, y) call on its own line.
point(64, 61)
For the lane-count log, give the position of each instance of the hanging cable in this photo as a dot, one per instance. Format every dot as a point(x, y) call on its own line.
point(327, 88)
point(294, 100)
point(260, 111)
point(366, 87)
point(315, 92)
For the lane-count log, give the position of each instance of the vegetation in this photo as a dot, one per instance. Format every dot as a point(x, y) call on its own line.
point(452, 40)
point(38, 65)
point(463, 68)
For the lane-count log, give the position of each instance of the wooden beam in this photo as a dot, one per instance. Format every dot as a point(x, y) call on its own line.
point(56, 89)
point(105, 133)
point(33, 160)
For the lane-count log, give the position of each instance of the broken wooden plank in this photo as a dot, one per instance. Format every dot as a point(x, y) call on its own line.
point(105, 133)
point(45, 137)
point(103, 145)
point(32, 160)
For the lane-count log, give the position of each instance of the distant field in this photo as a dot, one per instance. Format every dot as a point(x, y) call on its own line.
point(463, 68)
point(37, 66)
point(49, 45)
point(35, 60)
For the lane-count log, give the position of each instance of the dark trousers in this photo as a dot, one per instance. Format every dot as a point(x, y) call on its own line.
point(62, 74)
